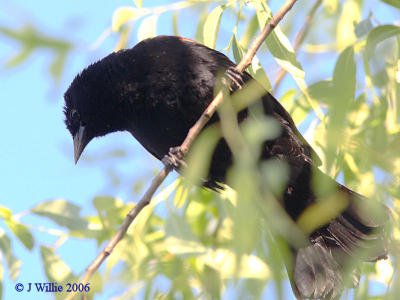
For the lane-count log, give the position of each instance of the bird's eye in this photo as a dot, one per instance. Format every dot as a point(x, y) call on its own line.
point(74, 115)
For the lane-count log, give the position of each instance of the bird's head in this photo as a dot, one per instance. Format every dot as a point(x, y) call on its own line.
point(78, 120)
point(95, 103)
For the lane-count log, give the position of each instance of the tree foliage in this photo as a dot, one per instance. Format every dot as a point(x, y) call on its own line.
point(342, 89)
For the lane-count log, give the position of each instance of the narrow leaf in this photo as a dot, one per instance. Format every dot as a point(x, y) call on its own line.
point(175, 26)
point(225, 261)
point(236, 49)
point(125, 14)
point(181, 195)
point(395, 3)
point(258, 73)
point(344, 75)
point(13, 263)
point(138, 3)
point(297, 107)
point(251, 29)
point(377, 35)
point(110, 210)
point(279, 45)
point(21, 232)
point(200, 25)
point(183, 247)
point(57, 65)
point(321, 90)
point(5, 212)
point(148, 28)
point(56, 270)
point(350, 15)
point(19, 58)
point(61, 212)
point(177, 226)
point(211, 26)
point(281, 49)
point(199, 157)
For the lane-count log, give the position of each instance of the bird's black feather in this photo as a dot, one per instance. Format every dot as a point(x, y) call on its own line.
point(158, 89)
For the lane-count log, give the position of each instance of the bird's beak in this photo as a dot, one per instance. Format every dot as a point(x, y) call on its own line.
point(81, 139)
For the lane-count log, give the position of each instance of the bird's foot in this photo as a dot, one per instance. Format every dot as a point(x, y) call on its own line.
point(174, 158)
point(235, 78)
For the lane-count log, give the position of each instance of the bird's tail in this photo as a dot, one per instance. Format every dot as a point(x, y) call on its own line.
point(321, 270)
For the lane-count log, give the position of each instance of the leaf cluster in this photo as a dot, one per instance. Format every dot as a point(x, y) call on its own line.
point(192, 243)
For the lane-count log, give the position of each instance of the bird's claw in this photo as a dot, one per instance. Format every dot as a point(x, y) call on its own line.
point(174, 158)
point(234, 78)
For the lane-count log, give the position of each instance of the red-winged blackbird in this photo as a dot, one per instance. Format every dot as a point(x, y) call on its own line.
point(159, 88)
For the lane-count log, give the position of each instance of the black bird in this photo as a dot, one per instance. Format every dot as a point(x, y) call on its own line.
point(158, 89)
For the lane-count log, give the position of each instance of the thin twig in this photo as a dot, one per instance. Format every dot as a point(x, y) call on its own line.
point(247, 59)
point(192, 134)
point(298, 40)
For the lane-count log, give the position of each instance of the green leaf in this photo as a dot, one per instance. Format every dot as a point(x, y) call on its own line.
point(322, 91)
point(297, 107)
point(57, 65)
point(177, 226)
point(198, 36)
point(258, 73)
point(211, 281)
point(175, 26)
point(56, 270)
point(226, 262)
point(148, 28)
point(377, 35)
point(350, 15)
point(278, 44)
point(13, 263)
point(181, 240)
point(21, 232)
point(211, 26)
point(5, 212)
point(124, 14)
point(343, 91)
point(111, 210)
point(236, 49)
point(18, 59)
point(259, 129)
point(263, 14)
point(322, 211)
point(281, 49)
point(61, 212)
point(200, 154)
point(181, 247)
point(30, 40)
point(331, 7)
point(251, 29)
point(344, 75)
point(395, 3)
point(138, 3)
point(275, 176)
point(181, 195)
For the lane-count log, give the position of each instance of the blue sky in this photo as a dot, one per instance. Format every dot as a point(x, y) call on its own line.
point(36, 153)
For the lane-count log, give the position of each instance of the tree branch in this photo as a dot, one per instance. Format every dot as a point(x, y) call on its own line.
point(192, 134)
point(298, 40)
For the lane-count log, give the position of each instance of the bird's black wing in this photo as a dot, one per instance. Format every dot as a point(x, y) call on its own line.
point(292, 142)
point(290, 145)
